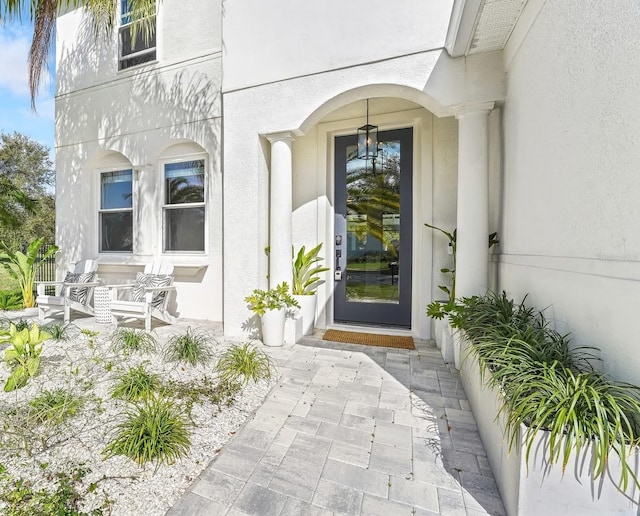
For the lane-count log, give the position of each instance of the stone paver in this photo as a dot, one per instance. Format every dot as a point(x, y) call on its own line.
point(350, 430)
point(353, 430)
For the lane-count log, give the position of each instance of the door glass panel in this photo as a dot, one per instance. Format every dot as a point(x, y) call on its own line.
point(373, 225)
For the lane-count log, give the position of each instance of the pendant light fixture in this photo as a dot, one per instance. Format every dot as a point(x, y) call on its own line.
point(368, 140)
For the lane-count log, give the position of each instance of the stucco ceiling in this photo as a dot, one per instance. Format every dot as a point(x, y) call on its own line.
point(377, 106)
point(495, 22)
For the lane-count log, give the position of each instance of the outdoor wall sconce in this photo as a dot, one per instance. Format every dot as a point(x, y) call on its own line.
point(368, 140)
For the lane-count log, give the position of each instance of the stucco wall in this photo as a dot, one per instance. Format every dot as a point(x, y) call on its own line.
point(289, 38)
point(136, 119)
point(571, 220)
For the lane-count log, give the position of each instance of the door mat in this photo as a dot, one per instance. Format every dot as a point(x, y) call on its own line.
point(369, 339)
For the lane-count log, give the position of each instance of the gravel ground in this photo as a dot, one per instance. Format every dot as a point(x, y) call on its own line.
point(89, 367)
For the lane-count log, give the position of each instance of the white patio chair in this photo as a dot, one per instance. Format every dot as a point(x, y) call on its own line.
point(75, 292)
point(149, 295)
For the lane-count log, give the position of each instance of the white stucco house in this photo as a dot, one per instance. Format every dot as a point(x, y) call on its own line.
point(234, 128)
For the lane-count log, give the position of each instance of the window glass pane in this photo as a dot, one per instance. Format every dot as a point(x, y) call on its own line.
point(116, 231)
point(143, 41)
point(116, 190)
point(184, 182)
point(184, 229)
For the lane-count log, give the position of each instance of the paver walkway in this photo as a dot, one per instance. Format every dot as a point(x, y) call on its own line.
point(353, 430)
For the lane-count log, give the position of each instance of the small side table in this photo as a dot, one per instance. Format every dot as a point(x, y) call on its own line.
point(102, 305)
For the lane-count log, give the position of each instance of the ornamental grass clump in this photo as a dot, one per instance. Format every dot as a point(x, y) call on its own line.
point(154, 431)
point(192, 347)
point(243, 362)
point(130, 340)
point(56, 406)
point(136, 384)
point(550, 385)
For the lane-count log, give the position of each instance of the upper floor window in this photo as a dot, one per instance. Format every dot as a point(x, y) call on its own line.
point(116, 211)
point(184, 206)
point(136, 47)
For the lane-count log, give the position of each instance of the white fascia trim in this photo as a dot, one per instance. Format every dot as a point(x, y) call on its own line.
point(462, 26)
point(522, 27)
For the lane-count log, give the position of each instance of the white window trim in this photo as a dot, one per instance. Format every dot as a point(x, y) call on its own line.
point(155, 49)
point(163, 206)
point(98, 209)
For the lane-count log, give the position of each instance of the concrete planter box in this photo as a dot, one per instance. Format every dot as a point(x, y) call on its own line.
point(541, 489)
point(444, 339)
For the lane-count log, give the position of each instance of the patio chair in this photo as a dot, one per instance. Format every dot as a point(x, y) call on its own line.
point(149, 295)
point(75, 292)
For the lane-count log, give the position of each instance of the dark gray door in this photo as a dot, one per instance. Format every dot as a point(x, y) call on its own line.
point(373, 231)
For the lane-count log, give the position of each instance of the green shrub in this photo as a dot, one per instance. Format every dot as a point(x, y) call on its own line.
point(549, 384)
point(136, 384)
point(23, 354)
point(61, 331)
point(241, 363)
point(155, 430)
point(131, 340)
point(10, 300)
point(55, 406)
point(192, 347)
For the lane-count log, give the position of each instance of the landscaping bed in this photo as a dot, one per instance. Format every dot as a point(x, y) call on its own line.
point(57, 427)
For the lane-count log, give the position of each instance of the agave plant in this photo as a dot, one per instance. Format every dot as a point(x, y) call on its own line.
point(23, 266)
point(306, 270)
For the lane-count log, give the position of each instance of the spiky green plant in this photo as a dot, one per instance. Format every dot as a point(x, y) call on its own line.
point(305, 271)
point(61, 331)
point(131, 340)
point(155, 430)
point(192, 347)
point(136, 384)
point(23, 266)
point(55, 406)
point(243, 362)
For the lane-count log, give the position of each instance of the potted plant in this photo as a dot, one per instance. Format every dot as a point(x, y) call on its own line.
point(438, 310)
point(271, 306)
point(561, 437)
point(305, 283)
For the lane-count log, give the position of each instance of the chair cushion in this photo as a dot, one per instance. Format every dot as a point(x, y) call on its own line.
point(79, 294)
point(151, 280)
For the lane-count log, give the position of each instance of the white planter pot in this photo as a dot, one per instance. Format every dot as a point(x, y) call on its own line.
point(272, 323)
point(308, 312)
point(446, 339)
point(537, 487)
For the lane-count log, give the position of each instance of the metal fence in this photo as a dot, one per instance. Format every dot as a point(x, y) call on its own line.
point(47, 271)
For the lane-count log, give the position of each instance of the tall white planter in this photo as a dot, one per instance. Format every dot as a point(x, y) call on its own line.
point(308, 311)
point(272, 323)
point(538, 487)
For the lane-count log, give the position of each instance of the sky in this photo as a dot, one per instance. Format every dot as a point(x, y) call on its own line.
point(15, 103)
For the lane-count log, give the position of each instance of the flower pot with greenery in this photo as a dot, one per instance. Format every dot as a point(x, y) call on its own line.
point(561, 437)
point(271, 306)
point(305, 282)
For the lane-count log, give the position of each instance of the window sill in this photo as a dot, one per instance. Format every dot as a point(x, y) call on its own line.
point(184, 265)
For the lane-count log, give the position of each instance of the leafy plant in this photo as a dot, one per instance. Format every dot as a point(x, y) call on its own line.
point(273, 299)
point(136, 384)
point(23, 354)
point(549, 384)
point(305, 271)
point(204, 389)
point(23, 266)
point(132, 340)
point(21, 498)
point(10, 300)
point(155, 430)
point(55, 406)
point(451, 272)
point(243, 362)
point(193, 347)
point(61, 331)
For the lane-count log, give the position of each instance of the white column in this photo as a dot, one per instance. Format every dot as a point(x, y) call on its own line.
point(472, 255)
point(280, 206)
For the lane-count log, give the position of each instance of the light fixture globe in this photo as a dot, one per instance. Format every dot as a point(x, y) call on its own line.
point(368, 140)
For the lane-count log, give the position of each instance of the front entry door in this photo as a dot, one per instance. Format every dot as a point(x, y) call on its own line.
point(373, 231)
